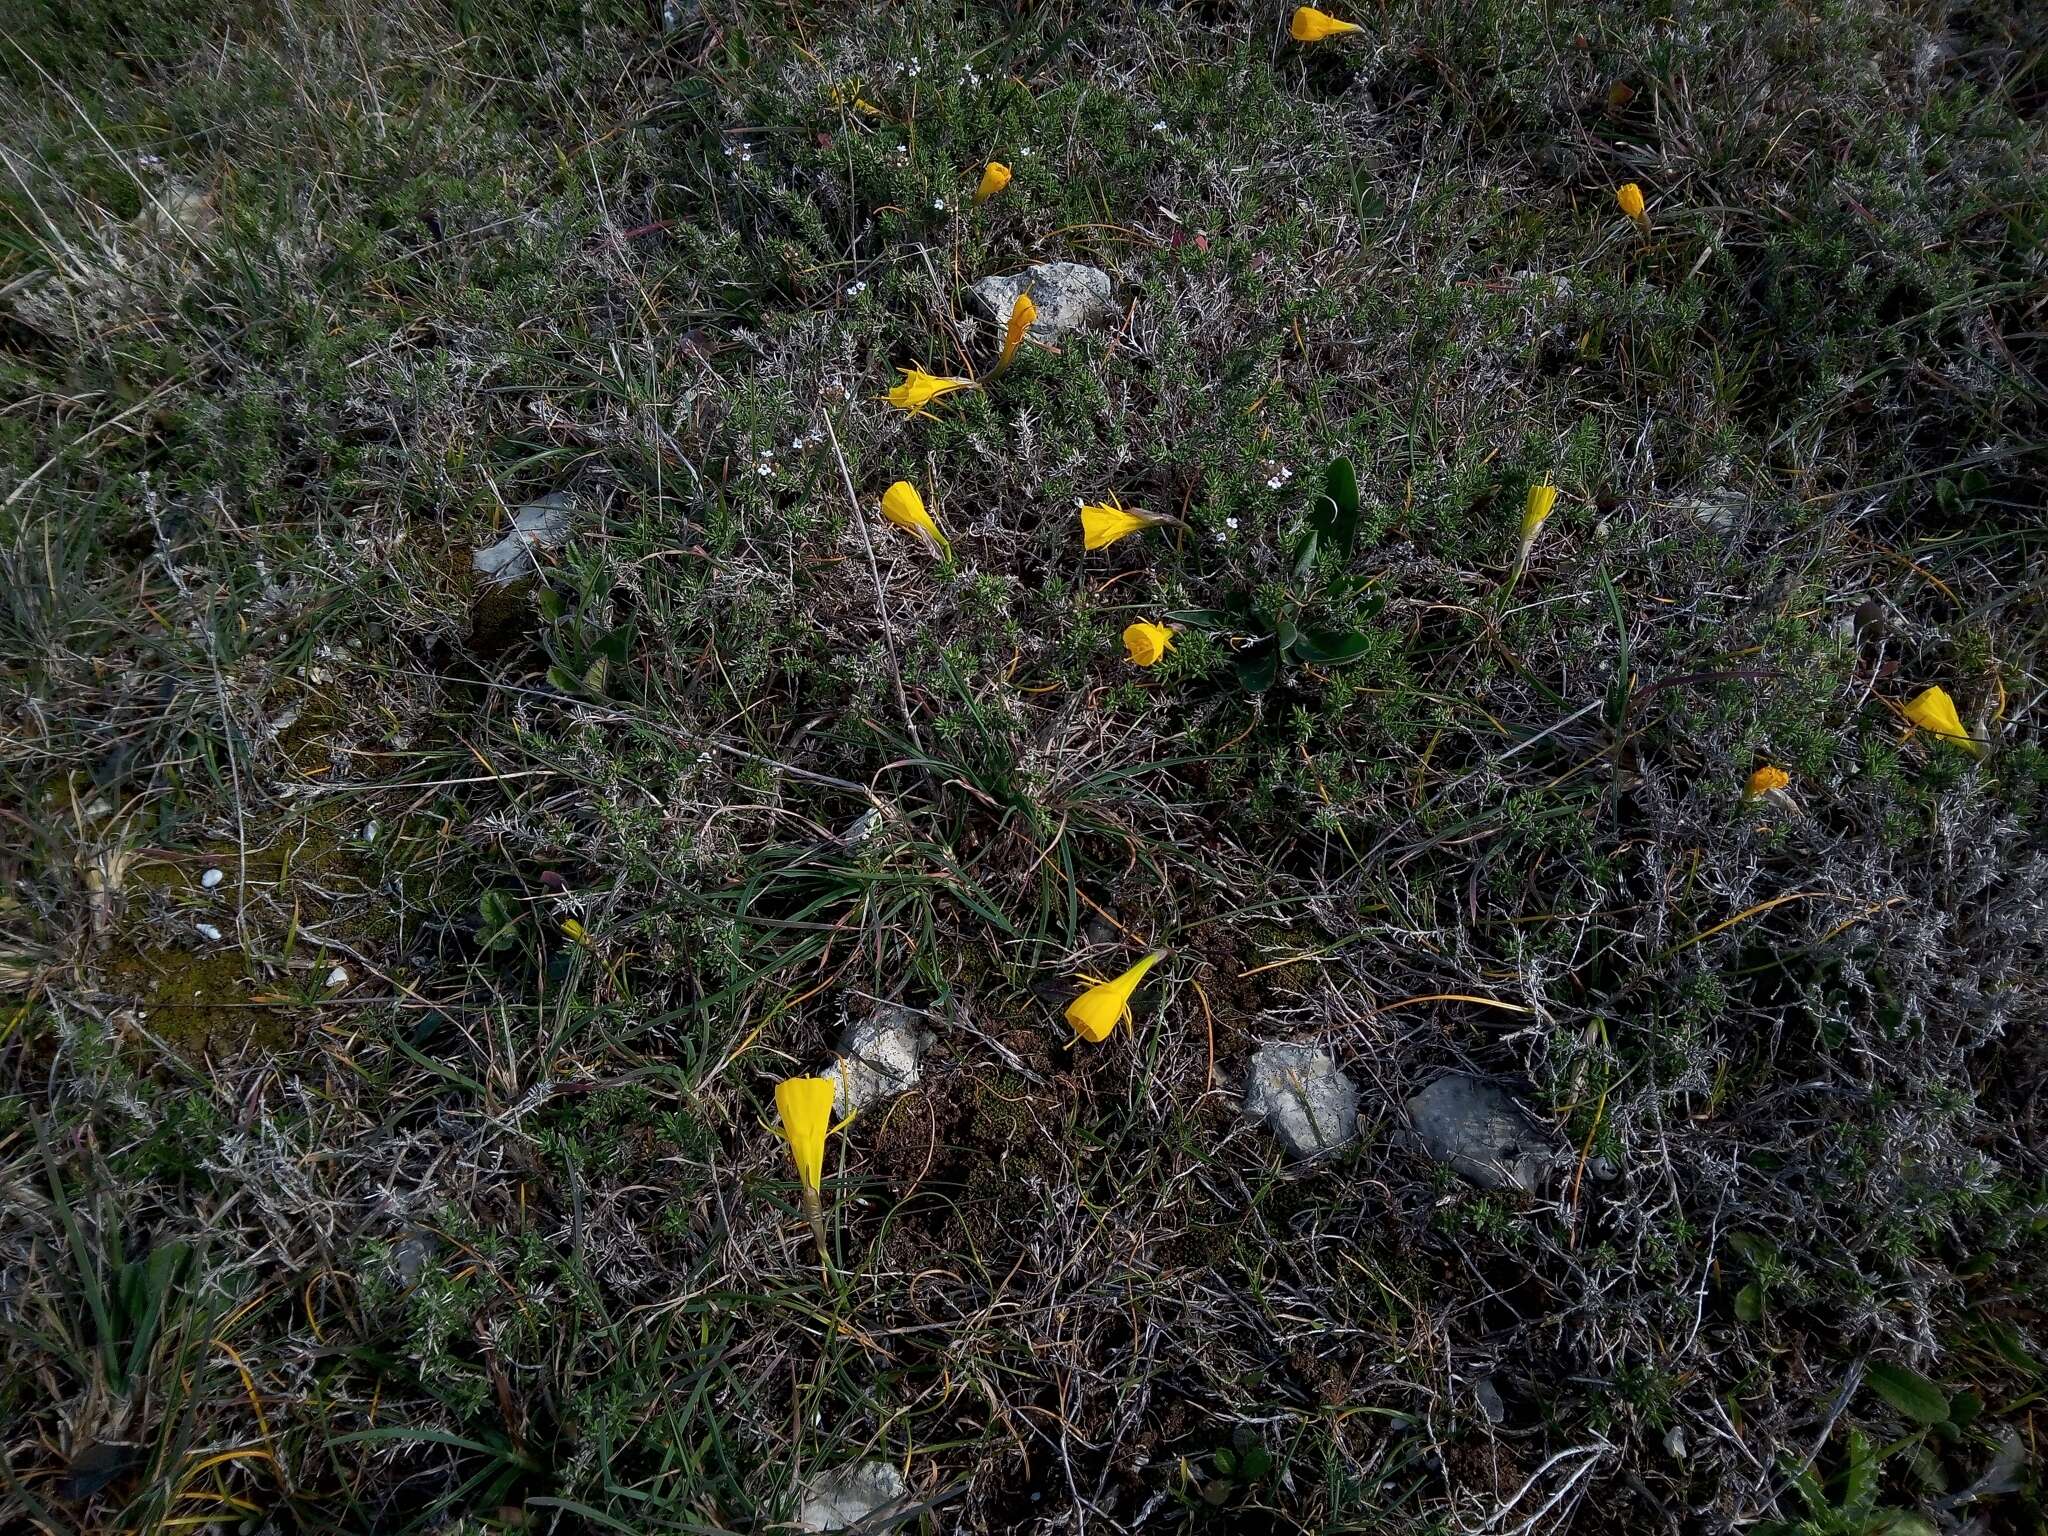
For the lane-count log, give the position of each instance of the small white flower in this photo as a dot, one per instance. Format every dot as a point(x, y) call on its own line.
point(938, 205)
point(1230, 522)
point(210, 933)
point(1024, 153)
point(1274, 482)
point(1222, 537)
point(1160, 126)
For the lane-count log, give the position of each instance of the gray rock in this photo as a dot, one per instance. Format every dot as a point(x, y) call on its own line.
point(542, 524)
point(879, 1058)
point(1483, 1132)
point(1489, 1399)
point(1069, 296)
point(843, 1497)
point(1307, 1102)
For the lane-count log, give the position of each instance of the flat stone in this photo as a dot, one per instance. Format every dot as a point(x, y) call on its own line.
point(843, 1497)
point(879, 1057)
point(1070, 297)
point(1309, 1105)
point(542, 524)
point(1484, 1133)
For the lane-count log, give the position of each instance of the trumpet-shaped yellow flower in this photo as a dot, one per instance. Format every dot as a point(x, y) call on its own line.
point(1536, 510)
point(1106, 1004)
point(1022, 313)
point(994, 177)
point(1767, 780)
point(1934, 711)
point(1102, 524)
point(919, 389)
point(1145, 643)
point(1313, 26)
point(902, 506)
point(1629, 197)
point(805, 1105)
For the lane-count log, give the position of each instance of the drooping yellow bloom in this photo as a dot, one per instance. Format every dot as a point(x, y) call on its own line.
point(1313, 26)
point(1103, 523)
point(1629, 197)
point(805, 1105)
point(902, 506)
point(1022, 313)
point(1103, 1006)
point(994, 177)
point(919, 389)
point(1145, 643)
point(1767, 780)
point(1935, 712)
point(1536, 510)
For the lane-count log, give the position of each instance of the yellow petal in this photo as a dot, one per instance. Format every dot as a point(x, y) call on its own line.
point(1934, 711)
point(1630, 198)
point(1103, 524)
point(1096, 1012)
point(919, 389)
point(1022, 313)
point(805, 1105)
point(1145, 643)
point(902, 506)
point(1542, 499)
point(994, 178)
point(1767, 780)
point(1313, 26)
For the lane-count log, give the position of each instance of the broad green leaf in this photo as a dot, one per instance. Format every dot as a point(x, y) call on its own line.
point(1749, 1303)
point(1258, 667)
point(1330, 647)
point(1908, 1391)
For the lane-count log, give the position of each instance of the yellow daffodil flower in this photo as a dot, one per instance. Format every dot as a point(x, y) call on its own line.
point(1145, 643)
point(1102, 524)
point(919, 389)
point(1313, 26)
point(1629, 197)
point(902, 506)
point(1536, 510)
point(1022, 313)
point(1935, 712)
point(994, 177)
point(805, 1105)
point(1767, 780)
point(1106, 1004)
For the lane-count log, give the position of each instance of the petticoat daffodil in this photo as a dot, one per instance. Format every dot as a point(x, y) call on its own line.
point(1106, 1004)
point(993, 180)
point(1767, 780)
point(1103, 523)
point(1313, 26)
point(919, 389)
point(805, 1107)
point(1022, 313)
point(1146, 643)
point(1629, 198)
point(1935, 712)
point(902, 506)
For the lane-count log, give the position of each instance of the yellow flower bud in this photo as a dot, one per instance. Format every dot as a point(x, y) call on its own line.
point(1106, 1004)
point(1313, 26)
point(994, 177)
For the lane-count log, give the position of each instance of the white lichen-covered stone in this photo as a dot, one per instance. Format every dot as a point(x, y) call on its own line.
point(843, 1497)
point(879, 1057)
point(1482, 1131)
point(1308, 1103)
point(1070, 297)
point(542, 524)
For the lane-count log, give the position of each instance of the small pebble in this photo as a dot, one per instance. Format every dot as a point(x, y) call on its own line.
point(338, 977)
point(210, 933)
point(370, 833)
point(212, 878)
